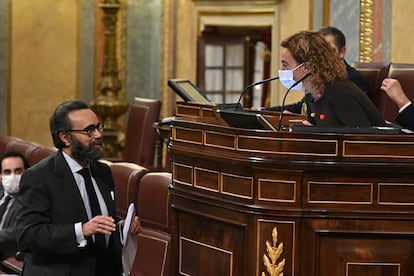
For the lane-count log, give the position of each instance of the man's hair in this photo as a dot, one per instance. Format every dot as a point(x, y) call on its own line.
point(59, 121)
point(9, 154)
point(321, 60)
point(339, 37)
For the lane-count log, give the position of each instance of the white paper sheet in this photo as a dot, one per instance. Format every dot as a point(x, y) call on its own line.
point(128, 221)
point(129, 242)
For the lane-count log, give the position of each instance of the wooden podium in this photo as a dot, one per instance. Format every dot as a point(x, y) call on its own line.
point(257, 202)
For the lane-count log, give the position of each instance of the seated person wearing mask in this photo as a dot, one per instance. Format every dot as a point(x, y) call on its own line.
point(392, 88)
point(12, 165)
point(337, 40)
point(332, 99)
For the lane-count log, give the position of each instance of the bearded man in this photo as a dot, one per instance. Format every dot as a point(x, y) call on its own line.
point(67, 222)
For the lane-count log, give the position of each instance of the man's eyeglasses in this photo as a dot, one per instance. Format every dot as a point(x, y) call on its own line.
point(90, 130)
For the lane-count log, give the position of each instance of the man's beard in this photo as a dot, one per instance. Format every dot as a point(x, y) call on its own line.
point(85, 153)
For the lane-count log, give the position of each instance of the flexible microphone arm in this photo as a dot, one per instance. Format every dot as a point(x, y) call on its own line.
point(254, 84)
point(284, 98)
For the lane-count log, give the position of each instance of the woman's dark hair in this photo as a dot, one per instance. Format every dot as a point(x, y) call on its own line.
point(59, 121)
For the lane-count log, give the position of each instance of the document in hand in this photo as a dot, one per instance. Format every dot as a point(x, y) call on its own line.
point(129, 242)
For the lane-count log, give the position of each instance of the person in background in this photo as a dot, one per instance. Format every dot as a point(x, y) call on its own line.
point(12, 166)
point(67, 222)
point(393, 89)
point(332, 100)
point(336, 38)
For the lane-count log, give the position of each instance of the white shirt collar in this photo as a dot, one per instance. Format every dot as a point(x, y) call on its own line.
point(73, 164)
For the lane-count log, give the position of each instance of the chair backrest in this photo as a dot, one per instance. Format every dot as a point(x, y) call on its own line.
point(373, 74)
point(404, 73)
point(32, 151)
point(127, 178)
point(4, 143)
point(153, 257)
point(40, 153)
point(140, 136)
point(154, 201)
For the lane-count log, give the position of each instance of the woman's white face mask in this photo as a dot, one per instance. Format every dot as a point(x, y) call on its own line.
point(286, 78)
point(11, 183)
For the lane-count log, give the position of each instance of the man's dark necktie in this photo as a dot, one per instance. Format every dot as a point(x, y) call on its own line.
point(3, 206)
point(94, 204)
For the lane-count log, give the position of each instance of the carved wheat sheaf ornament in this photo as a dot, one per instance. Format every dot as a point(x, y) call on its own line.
point(273, 254)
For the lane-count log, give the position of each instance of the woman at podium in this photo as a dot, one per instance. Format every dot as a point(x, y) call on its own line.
point(308, 61)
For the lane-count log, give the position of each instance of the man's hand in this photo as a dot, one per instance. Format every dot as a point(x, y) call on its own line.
point(393, 89)
point(99, 225)
point(135, 227)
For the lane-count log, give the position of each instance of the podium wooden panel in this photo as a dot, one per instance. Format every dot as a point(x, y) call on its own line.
point(341, 204)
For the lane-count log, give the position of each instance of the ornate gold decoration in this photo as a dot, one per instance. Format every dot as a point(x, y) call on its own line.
point(121, 46)
point(166, 61)
point(273, 254)
point(239, 2)
point(108, 106)
point(366, 26)
point(165, 46)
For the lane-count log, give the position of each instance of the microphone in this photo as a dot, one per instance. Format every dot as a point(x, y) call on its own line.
point(284, 98)
point(254, 84)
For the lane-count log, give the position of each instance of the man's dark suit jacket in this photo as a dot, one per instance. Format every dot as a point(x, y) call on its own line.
point(7, 233)
point(406, 118)
point(50, 206)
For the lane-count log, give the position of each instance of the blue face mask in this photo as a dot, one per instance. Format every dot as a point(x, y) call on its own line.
point(286, 78)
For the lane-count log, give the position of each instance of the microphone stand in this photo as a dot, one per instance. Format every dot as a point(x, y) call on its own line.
point(251, 85)
point(284, 99)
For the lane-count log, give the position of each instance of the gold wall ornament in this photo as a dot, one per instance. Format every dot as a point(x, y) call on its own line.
point(165, 57)
point(107, 105)
point(274, 252)
point(366, 26)
point(239, 2)
point(121, 41)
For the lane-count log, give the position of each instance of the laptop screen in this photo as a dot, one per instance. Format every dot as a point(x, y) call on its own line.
point(188, 91)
